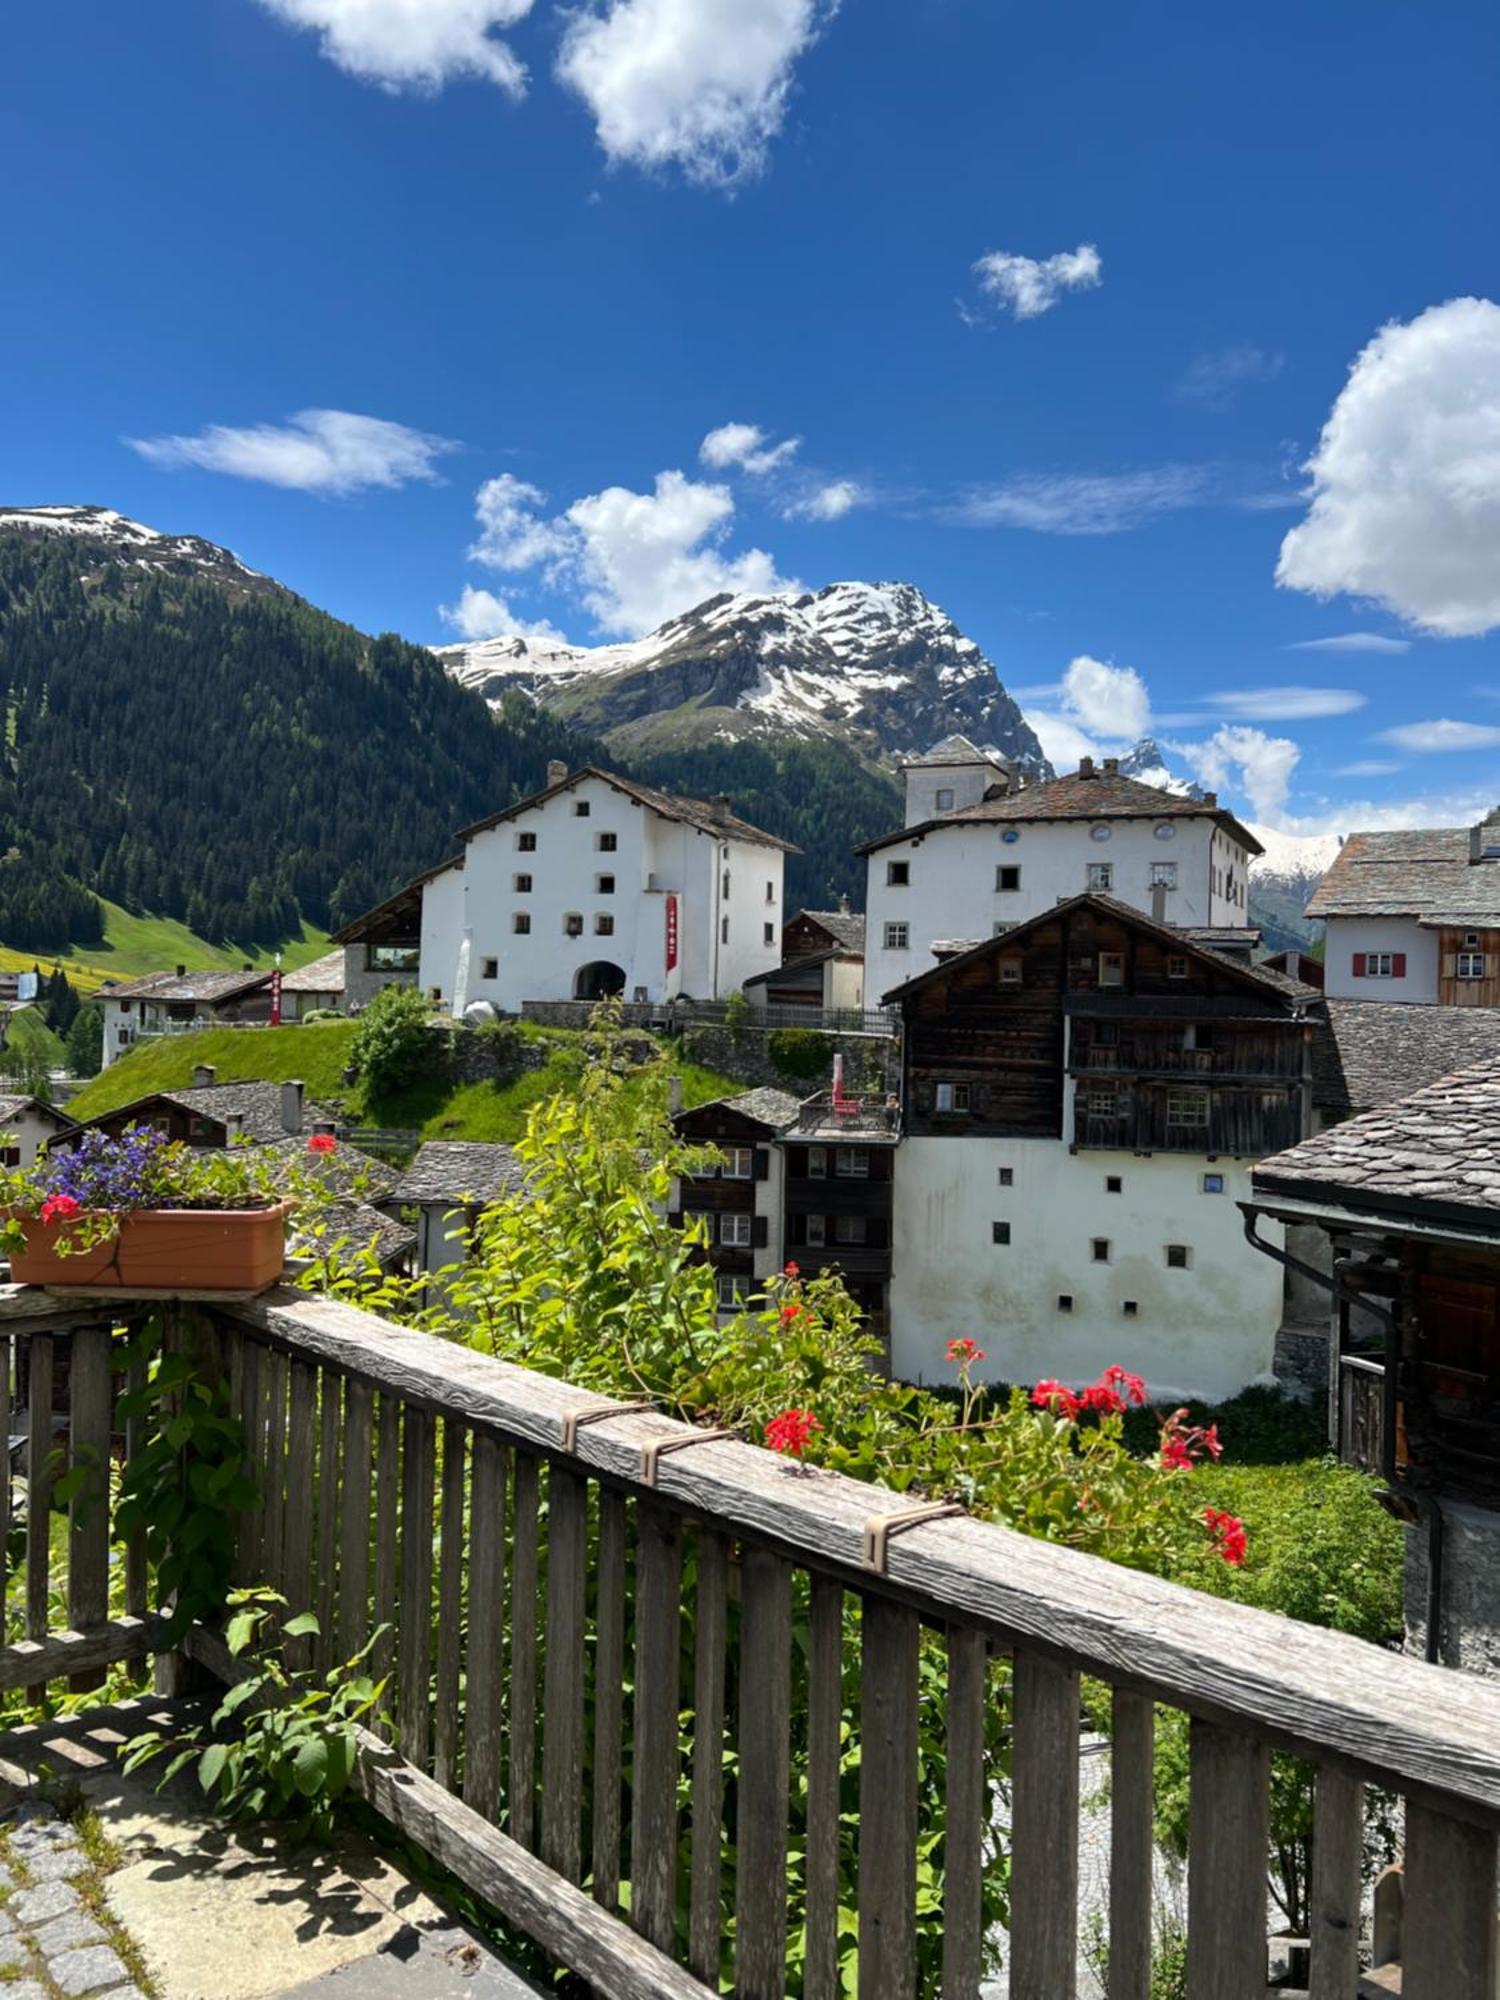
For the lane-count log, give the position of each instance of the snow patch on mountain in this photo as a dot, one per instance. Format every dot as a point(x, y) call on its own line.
point(133, 542)
point(875, 665)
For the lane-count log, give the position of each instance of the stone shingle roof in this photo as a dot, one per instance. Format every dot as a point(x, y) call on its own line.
point(1369, 1052)
point(1105, 795)
point(17, 1107)
point(1438, 1149)
point(324, 975)
point(357, 1226)
point(1423, 873)
point(768, 1106)
point(845, 927)
point(258, 1105)
point(455, 1170)
point(210, 987)
point(346, 1171)
point(697, 813)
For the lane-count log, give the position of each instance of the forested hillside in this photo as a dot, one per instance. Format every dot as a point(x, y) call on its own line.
point(231, 758)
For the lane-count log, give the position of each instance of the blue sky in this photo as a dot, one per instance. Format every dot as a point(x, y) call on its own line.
point(551, 289)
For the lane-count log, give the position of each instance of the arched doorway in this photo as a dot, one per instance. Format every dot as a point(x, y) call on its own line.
point(598, 981)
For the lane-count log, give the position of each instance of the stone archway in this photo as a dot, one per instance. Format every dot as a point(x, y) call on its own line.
point(599, 980)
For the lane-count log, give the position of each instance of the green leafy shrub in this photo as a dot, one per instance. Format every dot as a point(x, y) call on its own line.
point(799, 1053)
point(395, 1042)
point(736, 1012)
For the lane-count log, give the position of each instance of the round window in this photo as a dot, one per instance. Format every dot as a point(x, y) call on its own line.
point(1100, 832)
point(1165, 830)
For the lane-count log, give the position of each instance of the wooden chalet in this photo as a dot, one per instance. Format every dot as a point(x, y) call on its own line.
point(737, 1194)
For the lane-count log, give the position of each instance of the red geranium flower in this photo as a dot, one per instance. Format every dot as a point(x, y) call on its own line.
point(322, 1142)
point(792, 1432)
point(791, 1313)
point(1061, 1401)
point(792, 1271)
point(1183, 1444)
point(1228, 1534)
point(60, 1208)
point(965, 1351)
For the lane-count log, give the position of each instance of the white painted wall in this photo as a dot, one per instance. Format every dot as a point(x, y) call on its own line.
point(952, 892)
point(1205, 1331)
point(1348, 935)
point(967, 782)
point(844, 983)
point(28, 1132)
point(468, 914)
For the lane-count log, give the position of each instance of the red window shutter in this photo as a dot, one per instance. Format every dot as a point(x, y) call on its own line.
point(1359, 965)
point(1398, 965)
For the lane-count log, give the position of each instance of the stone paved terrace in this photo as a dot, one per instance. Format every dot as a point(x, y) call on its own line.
point(191, 1910)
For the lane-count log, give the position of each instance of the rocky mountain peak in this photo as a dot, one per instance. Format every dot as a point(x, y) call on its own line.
point(876, 667)
point(134, 545)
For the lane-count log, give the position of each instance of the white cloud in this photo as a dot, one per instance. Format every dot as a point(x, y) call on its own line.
point(512, 536)
point(1443, 735)
point(829, 502)
point(1062, 741)
point(1287, 704)
point(1260, 766)
point(633, 560)
point(413, 44)
point(1352, 642)
point(316, 451)
point(1082, 503)
point(1106, 700)
point(480, 614)
point(1366, 767)
point(1030, 286)
point(746, 446)
point(698, 84)
point(1406, 476)
point(1213, 380)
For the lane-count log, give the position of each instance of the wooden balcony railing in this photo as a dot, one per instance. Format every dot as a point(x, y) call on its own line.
point(540, 1559)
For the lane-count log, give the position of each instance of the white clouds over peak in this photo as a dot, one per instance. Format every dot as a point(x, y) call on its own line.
point(828, 502)
point(1108, 701)
point(480, 614)
point(702, 85)
point(413, 44)
point(1109, 503)
point(633, 560)
point(1406, 476)
point(330, 452)
point(746, 446)
point(1259, 765)
point(1031, 286)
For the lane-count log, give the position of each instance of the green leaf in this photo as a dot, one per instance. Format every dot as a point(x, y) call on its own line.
point(211, 1765)
point(305, 1624)
point(310, 1767)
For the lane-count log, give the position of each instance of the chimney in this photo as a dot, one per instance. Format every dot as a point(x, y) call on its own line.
point(1111, 767)
point(203, 1076)
point(234, 1126)
point(1476, 844)
point(1085, 767)
point(557, 772)
point(325, 1128)
point(1210, 798)
point(182, 972)
point(291, 1107)
point(718, 806)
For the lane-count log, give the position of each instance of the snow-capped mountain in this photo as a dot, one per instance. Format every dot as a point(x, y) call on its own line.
point(133, 544)
point(873, 666)
point(1147, 764)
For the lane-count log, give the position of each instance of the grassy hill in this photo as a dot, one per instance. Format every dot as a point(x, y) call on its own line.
point(29, 1040)
point(318, 1055)
point(133, 945)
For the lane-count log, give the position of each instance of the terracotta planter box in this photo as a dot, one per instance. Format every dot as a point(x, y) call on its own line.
point(164, 1250)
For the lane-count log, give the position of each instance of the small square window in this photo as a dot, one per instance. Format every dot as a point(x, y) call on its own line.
point(1111, 968)
point(521, 884)
point(489, 968)
point(852, 1163)
point(1177, 1257)
point(897, 937)
point(817, 1231)
point(1065, 1302)
point(581, 808)
point(573, 924)
point(1188, 1107)
point(951, 1097)
point(1129, 1308)
point(739, 1163)
point(1177, 967)
point(526, 843)
point(817, 1163)
point(1103, 1104)
point(1213, 1183)
point(1164, 874)
point(735, 1231)
point(520, 923)
point(604, 924)
point(1114, 1184)
point(1101, 875)
point(605, 885)
point(1007, 879)
point(1007, 1176)
point(1099, 1249)
point(849, 1229)
point(608, 842)
point(999, 1232)
point(944, 800)
point(897, 874)
point(1010, 972)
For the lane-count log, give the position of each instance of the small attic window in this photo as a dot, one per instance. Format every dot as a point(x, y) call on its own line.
point(944, 799)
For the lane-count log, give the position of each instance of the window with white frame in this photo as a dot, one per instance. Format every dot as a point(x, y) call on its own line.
point(739, 1163)
point(731, 1292)
point(1111, 968)
point(1471, 965)
point(852, 1163)
point(1187, 1107)
point(1103, 1103)
point(950, 1097)
point(1010, 972)
point(736, 1230)
point(1379, 965)
point(1177, 966)
point(898, 937)
point(817, 1231)
point(1101, 874)
point(849, 1229)
point(944, 799)
point(1164, 874)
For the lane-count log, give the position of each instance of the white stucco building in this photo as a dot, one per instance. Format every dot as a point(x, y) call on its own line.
point(26, 1127)
point(981, 851)
point(1414, 916)
point(174, 1003)
point(595, 885)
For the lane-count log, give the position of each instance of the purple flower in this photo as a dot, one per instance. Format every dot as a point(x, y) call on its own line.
point(101, 1172)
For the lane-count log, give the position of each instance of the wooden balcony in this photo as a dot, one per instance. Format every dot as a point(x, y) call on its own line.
point(633, 1812)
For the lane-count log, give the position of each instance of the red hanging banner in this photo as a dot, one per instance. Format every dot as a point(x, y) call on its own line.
point(276, 998)
point(672, 934)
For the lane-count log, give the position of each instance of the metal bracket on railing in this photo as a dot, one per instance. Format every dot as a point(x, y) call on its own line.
point(594, 1413)
point(658, 1448)
point(880, 1527)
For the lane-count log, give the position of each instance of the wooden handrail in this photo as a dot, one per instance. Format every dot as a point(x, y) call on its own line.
point(1390, 1719)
